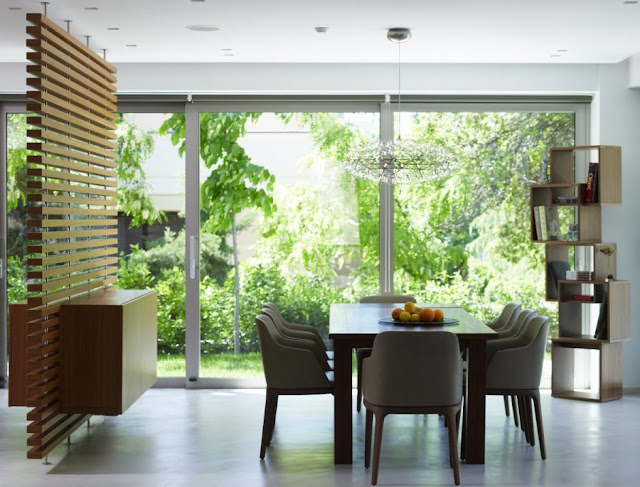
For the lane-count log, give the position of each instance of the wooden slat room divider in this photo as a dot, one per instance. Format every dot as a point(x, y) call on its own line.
point(72, 208)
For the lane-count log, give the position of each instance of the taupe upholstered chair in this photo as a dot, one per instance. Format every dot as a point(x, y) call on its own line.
point(299, 327)
point(514, 368)
point(299, 342)
point(413, 373)
point(362, 353)
point(507, 312)
point(295, 333)
point(288, 371)
point(516, 327)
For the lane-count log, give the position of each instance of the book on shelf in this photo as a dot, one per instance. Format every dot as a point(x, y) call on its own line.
point(579, 275)
point(601, 324)
point(536, 219)
point(553, 223)
point(557, 272)
point(582, 297)
point(542, 211)
point(592, 183)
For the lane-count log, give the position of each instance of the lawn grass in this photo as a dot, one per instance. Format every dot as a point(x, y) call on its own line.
point(215, 365)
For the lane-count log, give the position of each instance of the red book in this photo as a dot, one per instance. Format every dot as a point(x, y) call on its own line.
point(581, 297)
point(592, 181)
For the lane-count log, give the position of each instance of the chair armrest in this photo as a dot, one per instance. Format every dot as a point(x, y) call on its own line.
point(292, 368)
point(515, 368)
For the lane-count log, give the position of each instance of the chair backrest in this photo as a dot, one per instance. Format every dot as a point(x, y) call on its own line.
point(506, 314)
point(516, 327)
point(287, 367)
point(387, 298)
point(413, 369)
point(520, 366)
point(289, 331)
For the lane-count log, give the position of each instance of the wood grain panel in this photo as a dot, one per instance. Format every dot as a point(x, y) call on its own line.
point(74, 95)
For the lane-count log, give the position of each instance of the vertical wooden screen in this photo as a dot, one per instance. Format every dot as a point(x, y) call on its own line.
point(72, 222)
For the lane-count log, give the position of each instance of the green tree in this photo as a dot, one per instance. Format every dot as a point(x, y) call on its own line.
point(234, 183)
point(135, 146)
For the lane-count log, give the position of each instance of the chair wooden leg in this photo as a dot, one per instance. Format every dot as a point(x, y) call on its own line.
point(267, 426)
point(532, 439)
point(377, 444)
point(359, 372)
point(536, 404)
point(367, 438)
point(514, 408)
point(506, 404)
point(453, 446)
point(523, 417)
point(274, 408)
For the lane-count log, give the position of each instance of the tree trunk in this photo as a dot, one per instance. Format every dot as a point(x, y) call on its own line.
point(236, 266)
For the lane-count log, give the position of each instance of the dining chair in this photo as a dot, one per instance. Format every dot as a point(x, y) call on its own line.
point(298, 327)
point(507, 312)
point(515, 368)
point(517, 326)
point(288, 370)
point(300, 342)
point(362, 353)
point(412, 373)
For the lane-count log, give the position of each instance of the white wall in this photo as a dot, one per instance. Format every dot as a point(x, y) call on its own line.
point(618, 113)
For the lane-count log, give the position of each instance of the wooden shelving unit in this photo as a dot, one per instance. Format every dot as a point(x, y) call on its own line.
point(566, 192)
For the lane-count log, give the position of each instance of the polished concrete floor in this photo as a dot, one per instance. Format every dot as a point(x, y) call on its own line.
point(177, 437)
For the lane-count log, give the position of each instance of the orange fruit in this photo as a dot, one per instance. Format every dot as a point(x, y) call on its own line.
point(415, 317)
point(438, 315)
point(404, 316)
point(409, 307)
point(426, 314)
point(395, 314)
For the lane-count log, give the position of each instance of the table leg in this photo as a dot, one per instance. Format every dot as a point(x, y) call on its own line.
point(343, 427)
point(476, 383)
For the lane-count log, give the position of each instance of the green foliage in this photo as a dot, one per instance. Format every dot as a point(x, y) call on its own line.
point(16, 160)
point(134, 148)
point(16, 282)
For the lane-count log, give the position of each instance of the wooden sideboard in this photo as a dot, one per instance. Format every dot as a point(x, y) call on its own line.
point(108, 351)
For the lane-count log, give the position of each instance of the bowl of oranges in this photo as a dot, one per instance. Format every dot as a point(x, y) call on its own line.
point(414, 315)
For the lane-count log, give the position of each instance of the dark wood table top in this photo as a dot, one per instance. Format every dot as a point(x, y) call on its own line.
point(362, 320)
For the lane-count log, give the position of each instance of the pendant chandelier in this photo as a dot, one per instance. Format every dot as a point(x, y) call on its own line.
point(397, 161)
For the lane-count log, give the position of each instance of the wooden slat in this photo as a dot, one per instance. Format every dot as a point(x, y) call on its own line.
point(72, 424)
point(50, 298)
point(42, 49)
point(64, 117)
point(59, 235)
point(56, 138)
point(55, 210)
point(41, 412)
point(67, 281)
point(74, 166)
point(42, 399)
point(66, 129)
point(43, 97)
point(54, 198)
point(84, 244)
point(70, 188)
point(62, 269)
point(71, 154)
point(63, 93)
point(59, 259)
point(86, 54)
point(53, 79)
point(68, 176)
point(41, 311)
point(78, 222)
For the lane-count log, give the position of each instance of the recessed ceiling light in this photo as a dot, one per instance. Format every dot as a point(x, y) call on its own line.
point(15, 8)
point(629, 2)
point(321, 30)
point(91, 8)
point(229, 55)
point(226, 49)
point(202, 28)
point(197, 1)
point(563, 50)
point(132, 45)
point(555, 55)
point(113, 28)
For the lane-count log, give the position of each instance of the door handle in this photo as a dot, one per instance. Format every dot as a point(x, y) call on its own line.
point(192, 257)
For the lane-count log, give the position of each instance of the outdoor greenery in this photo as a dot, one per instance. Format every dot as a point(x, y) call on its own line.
point(463, 239)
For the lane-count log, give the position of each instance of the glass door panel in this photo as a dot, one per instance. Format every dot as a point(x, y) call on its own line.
point(151, 189)
point(281, 222)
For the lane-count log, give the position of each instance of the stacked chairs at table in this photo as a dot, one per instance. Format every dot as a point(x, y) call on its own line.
point(362, 353)
point(514, 368)
point(292, 366)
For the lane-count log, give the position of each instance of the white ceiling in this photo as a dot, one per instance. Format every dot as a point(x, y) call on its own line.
point(448, 31)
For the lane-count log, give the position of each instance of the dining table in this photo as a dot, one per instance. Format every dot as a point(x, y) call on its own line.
point(356, 325)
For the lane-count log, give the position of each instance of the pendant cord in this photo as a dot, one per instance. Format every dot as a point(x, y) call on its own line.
point(399, 101)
